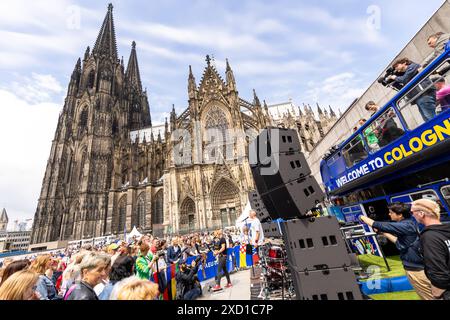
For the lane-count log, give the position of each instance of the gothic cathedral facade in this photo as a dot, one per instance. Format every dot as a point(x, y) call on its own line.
point(99, 181)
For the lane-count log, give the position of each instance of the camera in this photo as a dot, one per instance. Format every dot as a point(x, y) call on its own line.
point(160, 253)
point(389, 82)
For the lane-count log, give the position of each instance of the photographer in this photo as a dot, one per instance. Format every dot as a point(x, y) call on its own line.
point(427, 99)
point(403, 232)
point(188, 286)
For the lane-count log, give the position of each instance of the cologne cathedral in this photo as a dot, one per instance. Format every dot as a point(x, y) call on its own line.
point(110, 169)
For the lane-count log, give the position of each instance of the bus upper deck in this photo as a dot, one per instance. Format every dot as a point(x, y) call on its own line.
point(397, 140)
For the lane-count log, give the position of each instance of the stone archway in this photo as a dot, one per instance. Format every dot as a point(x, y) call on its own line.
point(187, 216)
point(226, 204)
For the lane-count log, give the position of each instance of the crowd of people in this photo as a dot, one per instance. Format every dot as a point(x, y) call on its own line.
point(124, 270)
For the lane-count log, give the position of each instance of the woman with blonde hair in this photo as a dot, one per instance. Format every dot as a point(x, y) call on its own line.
point(20, 286)
point(133, 288)
point(45, 286)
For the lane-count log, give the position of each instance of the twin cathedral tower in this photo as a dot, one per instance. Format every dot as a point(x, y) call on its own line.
point(100, 181)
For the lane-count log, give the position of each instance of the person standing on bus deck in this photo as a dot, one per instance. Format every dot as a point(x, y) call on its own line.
point(371, 137)
point(436, 41)
point(404, 233)
point(427, 99)
point(435, 240)
point(386, 129)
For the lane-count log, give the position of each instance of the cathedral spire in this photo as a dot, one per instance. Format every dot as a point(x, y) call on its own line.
point(266, 108)
point(106, 41)
point(173, 118)
point(192, 86)
point(75, 79)
point(256, 99)
point(332, 112)
point(231, 82)
point(132, 74)
point(319, 110)
point(87, 53)
point(77, 69)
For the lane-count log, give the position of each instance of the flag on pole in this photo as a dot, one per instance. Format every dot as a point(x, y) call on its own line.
point(173, 283)
point(243, 256)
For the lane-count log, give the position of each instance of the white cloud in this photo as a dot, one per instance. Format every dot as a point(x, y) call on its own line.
point(271, 67)
point(37, 88)
point(337, 90)
point(27, 130)
point(202, 36)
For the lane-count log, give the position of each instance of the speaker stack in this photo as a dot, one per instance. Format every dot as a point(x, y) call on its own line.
point(257, 204)
point(316, 252)
point(282, 175)
point(319, 261)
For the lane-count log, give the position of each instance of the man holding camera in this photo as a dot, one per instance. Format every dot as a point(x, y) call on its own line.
point(427, 99)
point(188, 286)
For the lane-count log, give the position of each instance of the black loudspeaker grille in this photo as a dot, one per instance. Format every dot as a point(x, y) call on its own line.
point(257, 204)
point(278, 140)
point(315, 245)
point(282, 168)
point(333, 284)
point(271, 230)
point(294, 199)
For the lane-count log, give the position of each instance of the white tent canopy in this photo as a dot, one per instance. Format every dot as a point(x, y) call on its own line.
point(240, 221)
point(134, 233)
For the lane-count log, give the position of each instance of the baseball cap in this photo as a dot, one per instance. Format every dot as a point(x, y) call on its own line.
point(113, 246)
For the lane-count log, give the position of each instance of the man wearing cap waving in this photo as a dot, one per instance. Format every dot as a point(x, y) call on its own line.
point(435, 241)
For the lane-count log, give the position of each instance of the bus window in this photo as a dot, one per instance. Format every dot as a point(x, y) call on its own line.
point(354, 152)
point(427, 98)
point(446, 194)
point(382, 131)
point(426, 194)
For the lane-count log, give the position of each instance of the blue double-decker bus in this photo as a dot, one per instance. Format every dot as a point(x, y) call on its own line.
point(397, 155)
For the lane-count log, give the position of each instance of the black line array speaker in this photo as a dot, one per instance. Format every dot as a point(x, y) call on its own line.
point(315, 245)
point(282, 175)
point(257, 204)
point(293, 199)
point(318, 259)
point(276, 140)
point(332, 284)
point(272, 230)
point(281, 169)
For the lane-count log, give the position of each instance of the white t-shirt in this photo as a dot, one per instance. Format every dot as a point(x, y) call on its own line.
point(254, 225)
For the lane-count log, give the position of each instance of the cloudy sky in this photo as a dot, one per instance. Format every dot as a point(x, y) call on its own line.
point(326, 52)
